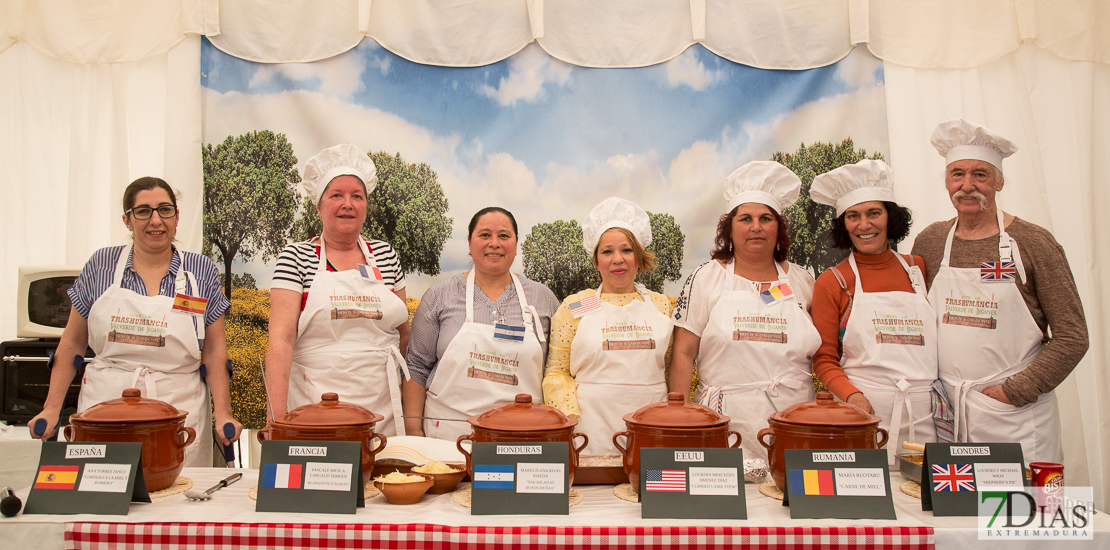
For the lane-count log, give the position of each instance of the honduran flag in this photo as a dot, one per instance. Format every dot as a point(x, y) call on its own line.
point(508, 332)
point(493, 476)
point(282, 476)
point(811, 482)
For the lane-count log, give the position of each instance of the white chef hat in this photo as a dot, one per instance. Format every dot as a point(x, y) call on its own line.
point(763, 181)
point(338, 160)
point(615, 212)
point(851, 184)
point(960, 139)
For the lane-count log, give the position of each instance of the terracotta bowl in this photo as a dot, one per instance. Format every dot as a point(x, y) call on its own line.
point(134, 419)
point(405, 493)
point(671, 423)
point(524, 422)
point(330, 420)
point(445, 483)
point(822, 424)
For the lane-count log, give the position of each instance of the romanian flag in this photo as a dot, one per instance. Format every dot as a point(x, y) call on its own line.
point(811, 482)
point(281, 476)
point(56, 477)
point(190, 304)
point(776, 293)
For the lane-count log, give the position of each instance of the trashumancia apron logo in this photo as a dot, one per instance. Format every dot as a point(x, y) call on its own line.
point(759, 327)
point(898, 329)
point(137, 329)
point(355, 306)
point(493, 366)
point(627, 335)
point(971, 311)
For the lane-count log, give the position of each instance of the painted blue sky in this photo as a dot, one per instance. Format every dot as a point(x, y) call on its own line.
point(546, 139)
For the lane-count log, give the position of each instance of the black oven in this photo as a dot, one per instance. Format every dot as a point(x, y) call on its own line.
point(25, 379)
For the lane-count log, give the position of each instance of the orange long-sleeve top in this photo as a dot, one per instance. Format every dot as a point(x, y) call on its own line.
point(832, 307)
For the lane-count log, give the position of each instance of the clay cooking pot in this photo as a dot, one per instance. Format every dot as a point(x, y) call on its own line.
point(671, 423)
point(523, 422)
point(330, 420)
point(134, 419)
point(822, 424)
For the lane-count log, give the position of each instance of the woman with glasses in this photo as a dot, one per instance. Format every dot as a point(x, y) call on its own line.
point(154, 315)
point(338, 318)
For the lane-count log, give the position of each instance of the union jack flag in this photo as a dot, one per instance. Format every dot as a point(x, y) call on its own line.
point(997, 271)
point(953, 477)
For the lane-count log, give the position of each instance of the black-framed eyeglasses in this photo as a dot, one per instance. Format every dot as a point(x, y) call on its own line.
point(145, 212)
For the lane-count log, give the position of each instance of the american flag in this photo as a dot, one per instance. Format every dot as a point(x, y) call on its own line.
point(585, 305)
point(953, 477)
point(666, 480)
point(997, 271)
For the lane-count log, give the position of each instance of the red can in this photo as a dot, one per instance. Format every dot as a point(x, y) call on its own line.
point(1048, 484)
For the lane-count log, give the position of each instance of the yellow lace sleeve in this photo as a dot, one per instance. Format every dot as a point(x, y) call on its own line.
point(558, 384)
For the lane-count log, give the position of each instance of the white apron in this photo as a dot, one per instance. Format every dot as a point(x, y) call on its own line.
point(347, 343)
point(755, 359)
point(142, 342)
point(890, 354)
point(617, 359)
point(479, 371)
point(987, 335)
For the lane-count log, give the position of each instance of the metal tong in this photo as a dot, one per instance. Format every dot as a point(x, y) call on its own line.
point(193, 495)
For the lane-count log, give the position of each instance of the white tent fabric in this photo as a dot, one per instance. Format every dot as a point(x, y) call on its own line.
point(784, 34)
point(95, 94)
point(1057, 111)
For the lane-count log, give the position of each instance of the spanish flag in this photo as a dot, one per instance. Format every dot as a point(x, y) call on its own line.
point(811, 482)
point(190, 304)
point(56, 477)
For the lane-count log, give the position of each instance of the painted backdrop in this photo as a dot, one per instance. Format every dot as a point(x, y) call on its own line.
point(542, 138)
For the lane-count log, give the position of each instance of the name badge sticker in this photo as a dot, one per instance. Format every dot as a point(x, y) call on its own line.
point(997, 272)
point(193, 305)
point(508, 333)
point(776, 294)
point(370, 273)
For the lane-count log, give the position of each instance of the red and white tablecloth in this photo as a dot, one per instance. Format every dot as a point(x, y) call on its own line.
point(99, 536)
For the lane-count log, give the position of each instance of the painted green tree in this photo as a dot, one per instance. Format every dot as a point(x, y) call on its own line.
point(554, 256)
point(810, 222)
point(250, 197)
point(407, 209)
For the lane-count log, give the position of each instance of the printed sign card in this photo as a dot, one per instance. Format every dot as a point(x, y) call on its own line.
point(87, 478)
point(310, 476)
point(954, 473)
point(840, 484)
point(692, 483)
point(520, 478)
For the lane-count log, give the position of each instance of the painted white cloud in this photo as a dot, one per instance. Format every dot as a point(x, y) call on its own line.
point(339, 75)
point(858, 68)
point(686, 70)
point(529, 70)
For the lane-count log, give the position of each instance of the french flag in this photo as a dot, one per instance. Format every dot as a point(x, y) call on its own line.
point(282, 476)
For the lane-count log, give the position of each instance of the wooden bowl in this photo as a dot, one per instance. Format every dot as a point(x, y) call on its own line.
point(445, 483)
point(405, 493)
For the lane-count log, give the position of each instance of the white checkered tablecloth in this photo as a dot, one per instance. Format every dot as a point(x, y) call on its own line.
point(148, 536)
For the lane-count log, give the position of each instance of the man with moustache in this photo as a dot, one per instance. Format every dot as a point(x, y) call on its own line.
point(1010, 325)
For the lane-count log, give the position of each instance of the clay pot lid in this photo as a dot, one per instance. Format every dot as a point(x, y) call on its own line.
point(675, 412)
point(825, 411)
point(330, 412)
point(131, 407)
point(522, 415)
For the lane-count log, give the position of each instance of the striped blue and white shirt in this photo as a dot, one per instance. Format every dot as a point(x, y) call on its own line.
point(99, 271)
point(297, 263)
